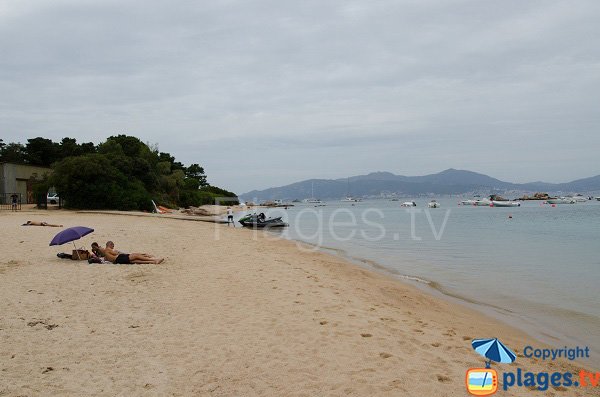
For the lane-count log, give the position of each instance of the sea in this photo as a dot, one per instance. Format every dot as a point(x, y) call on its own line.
point(536, 266)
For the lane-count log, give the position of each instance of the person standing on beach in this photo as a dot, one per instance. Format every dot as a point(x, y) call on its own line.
point(13, 205)
point(230, 216)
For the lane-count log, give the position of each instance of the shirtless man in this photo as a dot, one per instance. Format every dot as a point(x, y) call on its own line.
point(111, 254)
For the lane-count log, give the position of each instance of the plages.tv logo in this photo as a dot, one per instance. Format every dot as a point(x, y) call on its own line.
point(484, 381)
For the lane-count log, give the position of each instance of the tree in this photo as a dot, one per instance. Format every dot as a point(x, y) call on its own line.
point(196, 172)
point(13, 153)
point(42, 152)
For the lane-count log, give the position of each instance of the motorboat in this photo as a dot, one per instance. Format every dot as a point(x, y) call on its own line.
point(350, 199)
point(260, 221)
point(469, 202)
point(408, 204)
point(561, 200)
point(496, 203)
point(483, 203)
point(433, 204)
point(578, 198)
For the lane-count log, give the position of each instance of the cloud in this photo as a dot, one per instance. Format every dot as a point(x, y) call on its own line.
point(417, 86)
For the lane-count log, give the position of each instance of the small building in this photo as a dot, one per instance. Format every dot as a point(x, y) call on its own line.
point(18, 178)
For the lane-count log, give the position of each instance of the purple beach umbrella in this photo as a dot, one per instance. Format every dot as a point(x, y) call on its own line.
point(71, 234)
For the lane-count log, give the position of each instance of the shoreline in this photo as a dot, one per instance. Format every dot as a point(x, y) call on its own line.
point(509, 317)
point(434, 289)
point(231, 316)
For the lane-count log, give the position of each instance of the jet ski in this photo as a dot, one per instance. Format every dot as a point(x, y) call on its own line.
point(260, 221)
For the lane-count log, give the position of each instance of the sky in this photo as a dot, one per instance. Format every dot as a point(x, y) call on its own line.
point(267, 93)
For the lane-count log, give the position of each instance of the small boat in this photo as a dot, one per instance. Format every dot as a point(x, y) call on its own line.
point(578, 198)
point(260, 221)
point(483, 203)
point(598, 198)
point(408, 204)
point(561, 200)
point(350, 199)
point(496, 203)
point(395, 199)
point(312, 201)
point(469, 202)
point(434, 204)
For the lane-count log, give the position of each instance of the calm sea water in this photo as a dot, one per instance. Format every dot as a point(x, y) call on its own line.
point(539, 269)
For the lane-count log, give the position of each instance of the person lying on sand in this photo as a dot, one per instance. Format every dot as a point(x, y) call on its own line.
point(36, 223)
point(111, 254)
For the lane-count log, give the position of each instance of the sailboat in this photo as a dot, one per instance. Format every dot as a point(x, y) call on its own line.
point(349, 199)
point(312, 199)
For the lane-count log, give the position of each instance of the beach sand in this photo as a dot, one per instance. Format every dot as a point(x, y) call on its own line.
point(241, 315)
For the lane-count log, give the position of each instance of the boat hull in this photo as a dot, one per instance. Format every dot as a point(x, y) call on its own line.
point(560, 201)
point(506, 204)
point(255, 223)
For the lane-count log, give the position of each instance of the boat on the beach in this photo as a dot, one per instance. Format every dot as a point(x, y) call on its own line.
point(433, 204)
point(508, 203)
point(561, 200)
point(408, 204)
point(260, 221)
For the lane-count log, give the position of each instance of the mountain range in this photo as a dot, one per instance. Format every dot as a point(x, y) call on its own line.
point(450, 181)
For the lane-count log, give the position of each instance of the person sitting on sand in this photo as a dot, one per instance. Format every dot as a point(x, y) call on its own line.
point(117, 257)
point(36, 223)
point(99, 252)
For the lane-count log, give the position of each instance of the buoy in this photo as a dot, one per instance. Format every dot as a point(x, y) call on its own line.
point(553, 205)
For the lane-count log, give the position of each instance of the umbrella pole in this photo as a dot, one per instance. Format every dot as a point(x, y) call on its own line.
point(76, 250)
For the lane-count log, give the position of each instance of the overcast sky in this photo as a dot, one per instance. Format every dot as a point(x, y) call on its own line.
point(266, 93)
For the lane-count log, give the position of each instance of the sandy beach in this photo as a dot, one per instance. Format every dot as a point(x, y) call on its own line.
point(237, 315)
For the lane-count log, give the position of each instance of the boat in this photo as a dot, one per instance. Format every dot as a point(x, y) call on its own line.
point(578, 198)
point(469, 202)
point(312, 199)
point(260, 221)
point(598, 198)
point(349, 198)
point(496, 203)
point(483, 203)
point(408, 204)
point(561, 200)
point(434, 204)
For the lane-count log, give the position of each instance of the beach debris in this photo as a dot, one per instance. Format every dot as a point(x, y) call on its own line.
point(366, 335)
point(48, 369)
point(443, 378)
point(385, 355)
point(49, 327)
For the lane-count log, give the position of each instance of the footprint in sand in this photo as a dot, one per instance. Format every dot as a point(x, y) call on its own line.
point(443, 378)
point(366, 335)
point(385, 355)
